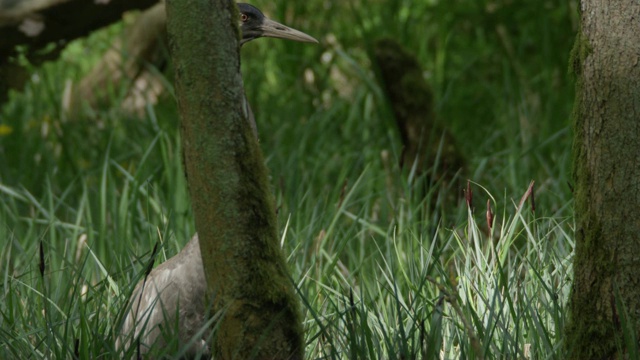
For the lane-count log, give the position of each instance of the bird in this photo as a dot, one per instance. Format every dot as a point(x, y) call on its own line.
point(172, 296)
point(254, 24)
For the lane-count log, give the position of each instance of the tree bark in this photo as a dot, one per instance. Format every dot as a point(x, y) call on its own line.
point(234, 209)
point(38, 24)
point(56, 21)
point(606, 288)
point(127, 60)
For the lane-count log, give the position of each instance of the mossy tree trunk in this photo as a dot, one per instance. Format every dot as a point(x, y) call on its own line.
point(234, 209)
point(425, 140)
point(429, 148)
point(606, 288)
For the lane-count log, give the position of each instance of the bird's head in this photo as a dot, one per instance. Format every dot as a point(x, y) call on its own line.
point(254, 24)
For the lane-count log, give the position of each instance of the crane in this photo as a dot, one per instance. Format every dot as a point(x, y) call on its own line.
point(172, 296)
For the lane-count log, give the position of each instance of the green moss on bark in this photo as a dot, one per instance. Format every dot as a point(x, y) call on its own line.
point(605, 173)
point(233, 206)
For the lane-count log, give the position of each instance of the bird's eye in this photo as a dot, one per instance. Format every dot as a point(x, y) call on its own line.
point(244, 17)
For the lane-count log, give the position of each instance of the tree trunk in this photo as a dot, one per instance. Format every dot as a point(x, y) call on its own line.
point(127, 61)
point(37, 24)
point(34, 25)
point(234, 209)
point(428, 145)
point(425, 140)
point(606, 288)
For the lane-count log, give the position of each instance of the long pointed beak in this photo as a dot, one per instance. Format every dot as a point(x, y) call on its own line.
point(274, 29)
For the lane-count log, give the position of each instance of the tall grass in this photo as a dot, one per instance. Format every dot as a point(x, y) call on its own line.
point(379, 274)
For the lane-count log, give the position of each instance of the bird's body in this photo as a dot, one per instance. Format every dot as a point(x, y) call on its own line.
point(154, 301)
point(170, 301)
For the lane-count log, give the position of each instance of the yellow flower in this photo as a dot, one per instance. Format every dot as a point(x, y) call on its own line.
point(5, 129)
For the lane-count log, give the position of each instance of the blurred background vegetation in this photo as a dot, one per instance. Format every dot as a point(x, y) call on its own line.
point(97, 190)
